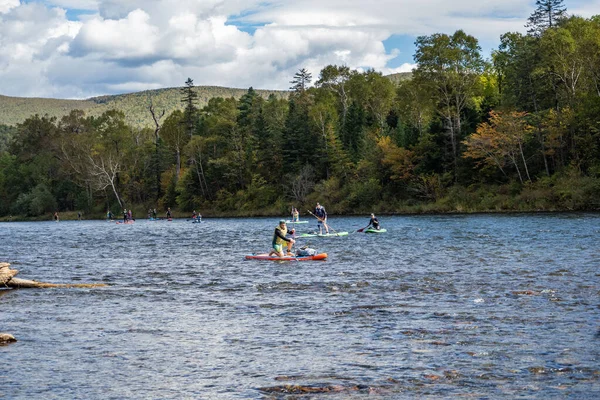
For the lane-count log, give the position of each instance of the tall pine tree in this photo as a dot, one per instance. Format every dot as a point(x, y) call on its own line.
point(301, 80)
point(546, 15)
point(190, 111)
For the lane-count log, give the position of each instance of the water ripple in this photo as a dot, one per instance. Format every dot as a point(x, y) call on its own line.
point(486, 306)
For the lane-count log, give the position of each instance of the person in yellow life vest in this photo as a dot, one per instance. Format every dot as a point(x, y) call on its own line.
point(295, 215)
point(280, 239)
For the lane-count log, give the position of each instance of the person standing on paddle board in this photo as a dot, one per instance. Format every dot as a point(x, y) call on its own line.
point(279, 239)
point(321, 215)
point(295, 215)
point(125, 216)
point(169, 213)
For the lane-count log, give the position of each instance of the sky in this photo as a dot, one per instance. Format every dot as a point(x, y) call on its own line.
point(76, 49)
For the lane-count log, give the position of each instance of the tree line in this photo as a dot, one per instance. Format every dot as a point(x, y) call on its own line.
point(517, 132)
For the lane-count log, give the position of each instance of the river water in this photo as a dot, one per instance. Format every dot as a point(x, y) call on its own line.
point(483, 306)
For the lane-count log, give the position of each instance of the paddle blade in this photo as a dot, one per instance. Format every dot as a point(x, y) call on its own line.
point(360, 230)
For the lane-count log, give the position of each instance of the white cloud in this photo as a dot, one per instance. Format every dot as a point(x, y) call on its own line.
point(7, 5)
point(90, 5)
point(128, 38)
point(130, 45)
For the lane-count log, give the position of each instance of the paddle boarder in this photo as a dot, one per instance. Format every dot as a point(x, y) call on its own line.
point(374, 222)
point(321, 215)
point(169, 213)
point(280, 239)
point(295, 215)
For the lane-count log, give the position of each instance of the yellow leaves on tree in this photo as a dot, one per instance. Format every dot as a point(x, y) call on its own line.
point(500, 141)
point(398, 160)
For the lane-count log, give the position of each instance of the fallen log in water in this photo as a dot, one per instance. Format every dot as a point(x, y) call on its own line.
point(6, 273)
point(25, 283)
point(7, 279)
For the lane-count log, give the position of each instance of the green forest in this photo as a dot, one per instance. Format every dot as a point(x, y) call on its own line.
point(517, 132)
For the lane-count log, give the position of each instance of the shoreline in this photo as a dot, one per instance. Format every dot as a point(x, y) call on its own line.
point(177, 215)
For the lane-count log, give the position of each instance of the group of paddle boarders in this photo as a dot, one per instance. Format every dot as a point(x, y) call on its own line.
point(128, 216)
point(281, 240)
point(152, 215)
point(196, 217)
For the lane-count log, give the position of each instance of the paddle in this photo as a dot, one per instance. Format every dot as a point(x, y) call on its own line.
point(327, 226)
point(362, 229)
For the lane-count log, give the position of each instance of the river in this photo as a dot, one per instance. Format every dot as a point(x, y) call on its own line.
point(484, 306)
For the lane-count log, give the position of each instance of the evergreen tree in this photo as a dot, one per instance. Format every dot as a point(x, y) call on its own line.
point(546, 15)
point(272, 125)
point(190, 112)
point(301, 80)
point(353, 135)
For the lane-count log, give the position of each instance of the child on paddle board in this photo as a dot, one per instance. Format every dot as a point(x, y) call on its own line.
point(321, 215)
point(280, 239)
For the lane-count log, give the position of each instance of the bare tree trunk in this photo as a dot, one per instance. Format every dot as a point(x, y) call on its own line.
point(524, 161)
point(516, 164)
point(543, 144)
point(6, 274)
point(116, 192)
point(7, 279)
point(178, 165)
point(157, 145)
point(29, 284)
point(199, 174)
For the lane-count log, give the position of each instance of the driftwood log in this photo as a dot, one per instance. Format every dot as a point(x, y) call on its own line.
point(7, 279)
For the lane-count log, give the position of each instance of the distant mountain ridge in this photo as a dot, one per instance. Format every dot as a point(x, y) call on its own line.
point(14, 110)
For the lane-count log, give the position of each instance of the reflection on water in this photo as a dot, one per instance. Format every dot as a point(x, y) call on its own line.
point(439, 306)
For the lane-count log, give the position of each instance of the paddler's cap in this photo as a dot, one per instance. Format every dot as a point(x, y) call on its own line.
point(281, 221)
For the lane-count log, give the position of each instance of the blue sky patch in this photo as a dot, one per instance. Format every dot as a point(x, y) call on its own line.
point(406, 45)
point(74, 14)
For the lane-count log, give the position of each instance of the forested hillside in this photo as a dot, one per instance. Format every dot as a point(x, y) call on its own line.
point(14, 110)
point(518, 132)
